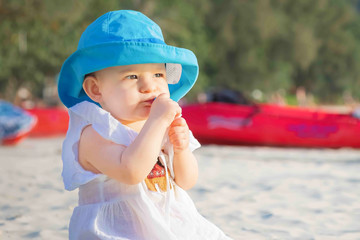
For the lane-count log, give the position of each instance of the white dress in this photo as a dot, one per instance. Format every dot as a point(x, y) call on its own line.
point(109, 209)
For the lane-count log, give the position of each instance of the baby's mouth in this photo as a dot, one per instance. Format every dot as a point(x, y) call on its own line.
point(150, 100)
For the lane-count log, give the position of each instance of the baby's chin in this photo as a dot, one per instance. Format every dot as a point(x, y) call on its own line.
point(140, 120)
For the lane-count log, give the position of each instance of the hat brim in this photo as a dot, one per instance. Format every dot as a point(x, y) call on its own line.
point(112, 54)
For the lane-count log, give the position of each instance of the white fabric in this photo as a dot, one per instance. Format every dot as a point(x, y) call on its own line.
point(356, 113)
point(173, 72)
point(109, 209)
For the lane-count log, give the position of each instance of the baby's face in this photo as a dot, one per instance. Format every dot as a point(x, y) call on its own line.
point(128, 91)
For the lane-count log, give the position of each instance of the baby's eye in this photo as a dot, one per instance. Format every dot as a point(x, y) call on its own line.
point(131, 77)
point(158, 75)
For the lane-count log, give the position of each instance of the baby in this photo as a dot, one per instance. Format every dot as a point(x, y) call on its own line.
point(128, 150)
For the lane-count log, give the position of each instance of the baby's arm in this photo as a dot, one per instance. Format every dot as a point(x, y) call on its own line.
point(130, 164)
point(185, 164)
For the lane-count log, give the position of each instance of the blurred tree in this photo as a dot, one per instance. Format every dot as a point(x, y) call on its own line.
point(241, 44)
point(36, 38)
point(278, 44)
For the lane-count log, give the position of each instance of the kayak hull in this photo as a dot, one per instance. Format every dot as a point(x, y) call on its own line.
point(15, 123)
point(51, 122)
point(270, 125)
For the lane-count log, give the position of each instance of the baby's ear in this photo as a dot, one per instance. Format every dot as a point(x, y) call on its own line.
point(91, 87)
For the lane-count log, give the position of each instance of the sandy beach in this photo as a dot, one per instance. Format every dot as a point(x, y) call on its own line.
point(249, 192)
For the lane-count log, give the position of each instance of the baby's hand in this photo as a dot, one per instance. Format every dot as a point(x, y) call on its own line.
point(164, 108)
point(179, 134)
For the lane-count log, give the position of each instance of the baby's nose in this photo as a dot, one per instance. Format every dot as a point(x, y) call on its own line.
point(147, 84)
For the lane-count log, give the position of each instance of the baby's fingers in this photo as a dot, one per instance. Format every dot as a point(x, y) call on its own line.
point(179, 137)
point(179, 122)
point(179, 126)
point(178, 132)
point(163, 95)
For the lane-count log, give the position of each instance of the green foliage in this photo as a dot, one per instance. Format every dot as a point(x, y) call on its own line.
point(241, 44)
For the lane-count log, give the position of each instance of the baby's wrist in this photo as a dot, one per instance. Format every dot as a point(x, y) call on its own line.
point(181, 151)
point(158, 123)
point(158, 120)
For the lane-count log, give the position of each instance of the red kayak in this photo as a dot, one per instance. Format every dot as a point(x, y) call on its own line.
point(271, 125)
point(51, 122)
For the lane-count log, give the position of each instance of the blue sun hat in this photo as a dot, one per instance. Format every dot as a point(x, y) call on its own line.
point(119, 38)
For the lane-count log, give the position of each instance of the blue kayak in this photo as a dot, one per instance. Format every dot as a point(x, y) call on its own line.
point(15, 123)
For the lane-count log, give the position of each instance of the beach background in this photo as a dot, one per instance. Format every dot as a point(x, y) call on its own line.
point(249, 192)
point(287, 53)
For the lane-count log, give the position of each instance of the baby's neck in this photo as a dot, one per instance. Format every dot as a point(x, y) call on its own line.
point(136, 126)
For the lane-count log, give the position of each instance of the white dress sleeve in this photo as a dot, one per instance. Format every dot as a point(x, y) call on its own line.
point(82, 115)
point(73, 174)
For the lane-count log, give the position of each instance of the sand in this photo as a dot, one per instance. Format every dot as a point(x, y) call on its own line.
point(249, 192)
